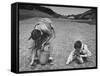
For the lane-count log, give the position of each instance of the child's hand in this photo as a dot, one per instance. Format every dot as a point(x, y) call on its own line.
point(83, 55)
point(77, 54)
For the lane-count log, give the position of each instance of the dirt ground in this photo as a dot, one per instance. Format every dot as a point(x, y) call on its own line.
point(67, 33)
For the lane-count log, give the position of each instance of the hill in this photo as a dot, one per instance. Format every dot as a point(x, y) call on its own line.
point(35, 11)
point(90, 14)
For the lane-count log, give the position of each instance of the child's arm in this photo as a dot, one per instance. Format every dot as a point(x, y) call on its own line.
point(70, 58)
point(46, 41)
point(87, 52)
point(53, 33)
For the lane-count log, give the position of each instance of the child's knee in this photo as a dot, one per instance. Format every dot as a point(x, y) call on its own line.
point(80, 60)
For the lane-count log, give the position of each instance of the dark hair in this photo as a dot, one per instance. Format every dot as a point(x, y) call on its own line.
point(78, 44)
point(35, 34)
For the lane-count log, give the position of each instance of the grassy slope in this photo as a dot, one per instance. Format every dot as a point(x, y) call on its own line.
point(66, 33)
point(26, 14)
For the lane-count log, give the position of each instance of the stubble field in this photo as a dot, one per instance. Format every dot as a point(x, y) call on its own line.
point(67, 32)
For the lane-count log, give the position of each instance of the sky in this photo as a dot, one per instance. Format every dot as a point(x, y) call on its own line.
point(67, 10)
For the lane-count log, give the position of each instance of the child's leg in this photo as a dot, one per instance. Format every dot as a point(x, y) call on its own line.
point(33, 56)
point(50, 48)
point(80, 60)
point(33, 53)
point(85, 59)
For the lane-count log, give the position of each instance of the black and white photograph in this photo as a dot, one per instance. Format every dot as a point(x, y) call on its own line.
point(57, 37)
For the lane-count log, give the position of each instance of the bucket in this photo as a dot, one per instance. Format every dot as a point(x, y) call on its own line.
point(44, 57)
